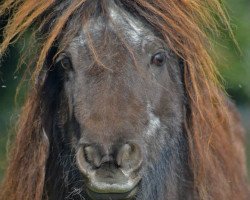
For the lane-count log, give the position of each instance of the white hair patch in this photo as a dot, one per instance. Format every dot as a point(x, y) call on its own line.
point(154, 122)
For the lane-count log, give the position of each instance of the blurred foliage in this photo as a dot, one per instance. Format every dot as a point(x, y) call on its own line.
point(8, 84)
point(233, 64)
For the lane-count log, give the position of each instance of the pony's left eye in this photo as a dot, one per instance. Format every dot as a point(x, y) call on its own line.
point(159, 59)
point(64, 61)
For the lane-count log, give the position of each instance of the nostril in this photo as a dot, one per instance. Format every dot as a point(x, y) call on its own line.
point(129, 157)
point(92, 156)
point(123, 154)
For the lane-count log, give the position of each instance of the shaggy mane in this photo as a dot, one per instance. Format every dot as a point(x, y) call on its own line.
point(215, 137)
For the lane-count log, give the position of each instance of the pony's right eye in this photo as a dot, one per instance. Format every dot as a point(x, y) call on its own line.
point(64, 61)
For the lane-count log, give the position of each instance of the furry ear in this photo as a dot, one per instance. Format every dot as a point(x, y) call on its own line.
point(25, 174)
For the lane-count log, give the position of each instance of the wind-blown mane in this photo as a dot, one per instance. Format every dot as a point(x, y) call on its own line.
point(214, 135)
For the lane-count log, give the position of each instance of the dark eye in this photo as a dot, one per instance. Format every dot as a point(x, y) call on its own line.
point(159, 59)
point(64, 62)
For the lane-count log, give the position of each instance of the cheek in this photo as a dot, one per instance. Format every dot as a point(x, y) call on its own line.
point(167, 97)
point(157, 88)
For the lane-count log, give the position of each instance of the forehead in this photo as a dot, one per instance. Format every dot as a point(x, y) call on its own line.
point(117, 25)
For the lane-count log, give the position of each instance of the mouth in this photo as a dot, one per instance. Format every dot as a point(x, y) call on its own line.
point(104, 195)
point(111, 189)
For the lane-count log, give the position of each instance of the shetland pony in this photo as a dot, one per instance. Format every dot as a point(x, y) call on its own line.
point(124, 103)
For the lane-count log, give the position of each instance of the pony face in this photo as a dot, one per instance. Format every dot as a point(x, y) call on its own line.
point(104, 119)
point(124, 97)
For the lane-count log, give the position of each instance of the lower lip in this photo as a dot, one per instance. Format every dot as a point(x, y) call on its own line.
point(113, 196)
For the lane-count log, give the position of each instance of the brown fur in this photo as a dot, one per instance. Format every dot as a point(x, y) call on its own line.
point(215, 135)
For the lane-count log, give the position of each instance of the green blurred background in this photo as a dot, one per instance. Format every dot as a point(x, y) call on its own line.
point(234, 66)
